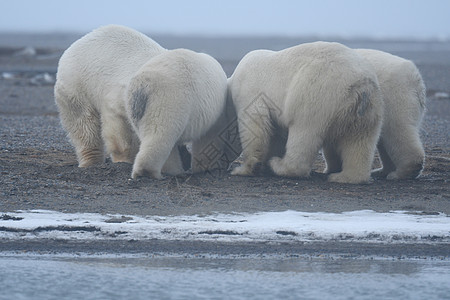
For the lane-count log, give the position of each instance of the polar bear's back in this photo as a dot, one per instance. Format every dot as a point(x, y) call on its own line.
point(180, 82)
point(325, 66)
point(105, 58)
point(331, 82)
point(252, 70)
point(302, 75)
point(399, 78)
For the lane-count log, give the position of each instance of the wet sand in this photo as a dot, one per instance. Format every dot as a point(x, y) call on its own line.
point(39, 171)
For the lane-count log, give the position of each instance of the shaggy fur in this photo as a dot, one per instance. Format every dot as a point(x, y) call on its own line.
point(323, 95)
point(175, 98)
point(90, 88)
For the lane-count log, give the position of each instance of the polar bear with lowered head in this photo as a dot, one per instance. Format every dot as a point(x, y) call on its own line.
point(324, 95)
point(91, 81)
point(403, 90)
point(177, 97)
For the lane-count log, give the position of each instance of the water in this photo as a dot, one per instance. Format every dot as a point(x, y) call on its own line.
point(275, 274)
point(176, 277)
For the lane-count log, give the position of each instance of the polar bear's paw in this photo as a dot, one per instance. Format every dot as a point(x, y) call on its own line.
point(126, 156)
point(242, 170)
point(275, 163)
point(89, 157)
point(121, 159)
point(396, 175)
point(393, 176)
point(281, 168)
point(348, 178)
point(249, 167)
point(410, 171)
point(141, 172)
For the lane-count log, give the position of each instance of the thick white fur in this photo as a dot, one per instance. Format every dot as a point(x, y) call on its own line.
point(175, 98)
point(323, 95)
point(90, 88)
point(403, 90)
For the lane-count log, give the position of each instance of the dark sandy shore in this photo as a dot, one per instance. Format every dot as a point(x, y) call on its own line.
point(38, 168)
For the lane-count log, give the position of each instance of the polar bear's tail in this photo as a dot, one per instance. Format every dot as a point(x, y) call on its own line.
point(138, 104)
point(363, 111)
point(366, 92)
point(419, 86)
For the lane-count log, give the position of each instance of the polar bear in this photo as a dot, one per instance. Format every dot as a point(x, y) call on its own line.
point(403, 89)
point(90, 89)
point(174, 98)
point(323, 95)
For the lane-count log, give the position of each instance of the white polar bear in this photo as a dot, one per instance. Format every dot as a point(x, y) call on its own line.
point(403, 90)
point(90, 89)
point(175, 98)
point(323, 95)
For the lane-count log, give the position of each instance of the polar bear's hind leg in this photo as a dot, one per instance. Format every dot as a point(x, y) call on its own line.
point(82, 122)
point(255, 133)
point(357, 155)
point(388, 165)
point(404, 149)
point(302, 146)
point(159, 130)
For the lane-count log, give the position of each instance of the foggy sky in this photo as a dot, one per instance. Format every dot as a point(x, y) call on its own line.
point(346, 18)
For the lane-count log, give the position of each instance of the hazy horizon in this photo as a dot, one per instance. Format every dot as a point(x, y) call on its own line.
point(383, 19)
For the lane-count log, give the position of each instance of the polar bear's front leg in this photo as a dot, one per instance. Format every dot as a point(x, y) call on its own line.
point(120, 140)
point(83, 125)
point(255, 134)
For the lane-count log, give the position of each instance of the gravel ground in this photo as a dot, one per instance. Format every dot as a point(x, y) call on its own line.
point(39, 171)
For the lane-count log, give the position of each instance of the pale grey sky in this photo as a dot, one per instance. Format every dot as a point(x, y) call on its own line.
point(348, 18)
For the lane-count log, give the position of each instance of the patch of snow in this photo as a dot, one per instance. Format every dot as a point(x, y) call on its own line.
point(362, 226)
point(7, 75)
point(42, 79)
point(441, 95)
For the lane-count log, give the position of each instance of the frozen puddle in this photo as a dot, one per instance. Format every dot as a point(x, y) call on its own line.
point(363, 226)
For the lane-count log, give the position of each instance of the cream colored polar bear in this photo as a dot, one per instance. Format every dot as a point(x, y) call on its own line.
point(403, 90)
point(175, 98)
point(323, 95)
point(90, 89)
